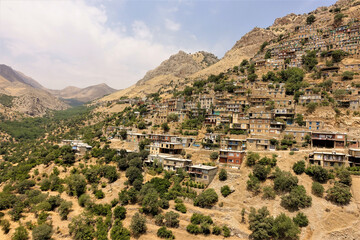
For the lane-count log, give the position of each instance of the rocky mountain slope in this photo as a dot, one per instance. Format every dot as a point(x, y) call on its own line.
point(83, 95)
point(25, 95)
point(178, 66)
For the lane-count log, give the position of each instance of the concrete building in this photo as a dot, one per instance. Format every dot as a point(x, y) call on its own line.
point(172, 163)
point(202, 173)
point(328, 159)
point(328, 140)
point(231, 157)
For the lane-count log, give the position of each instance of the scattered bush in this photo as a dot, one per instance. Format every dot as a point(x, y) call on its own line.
point(206, 199)
point(163, 232)
point(42, 232)
point(172, 219)
point(268, 193)
point(223, 175)
point(225, 190)
point(339, 194)
point(120, 213)
point(296, 199)
point(193, 229)
point(317, 189)
point(301, 220)
point(138, 224)
point(318, 173)
point(299, 167)
point(180, 207)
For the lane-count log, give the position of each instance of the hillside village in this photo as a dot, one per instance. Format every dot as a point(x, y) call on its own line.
point(266, 148)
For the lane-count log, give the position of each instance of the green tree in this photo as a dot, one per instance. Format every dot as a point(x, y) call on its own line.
point(165, 127)
point(318, 173)
point(20, 234)
point(118, 232)
point(138, 224)
point(311, 107)
point(317, 189)
point(339, 194)
point(301, 220)
point(214, 155)
point(347, 75)
point(296, 199)
point(261, 224)
point(172, 117)
point(310, 19)
point(309, 60)
point(76, 185)
point(253, 184)
point(222, 175)
point(225, 190)
point(268, 193)
point(252, 158)
point(299, 167)
point(82, 227)
point(64, 209)
point(284, 181)
point(285, 228)
point(120, 212)
point(163, 232)
point(260, 171)
point(207, 198)
point(172, 219)
point(300, 119)
point(344, 176)
point(42, 232)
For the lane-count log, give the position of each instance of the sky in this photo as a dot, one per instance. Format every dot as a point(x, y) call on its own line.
point(80, 43)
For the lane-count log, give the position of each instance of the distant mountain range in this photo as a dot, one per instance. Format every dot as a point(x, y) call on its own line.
point(22, 94)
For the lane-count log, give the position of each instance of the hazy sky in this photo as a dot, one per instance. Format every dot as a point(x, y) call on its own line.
point(80, 43)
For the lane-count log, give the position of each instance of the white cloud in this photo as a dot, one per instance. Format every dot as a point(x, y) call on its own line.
point(61, 43)
point(172, 26)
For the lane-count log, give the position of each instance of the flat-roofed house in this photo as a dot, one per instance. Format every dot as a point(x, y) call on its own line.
point(328, 139)
point(328, 159)
point(202, 173)
point(232, 157)
point(172, 163)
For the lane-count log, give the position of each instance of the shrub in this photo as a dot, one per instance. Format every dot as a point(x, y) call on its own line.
point(222, 175)
point(339, 194)
point(318, 173)
point(84, 200)
point(260, 223)
point(119, 232)
point(214, 155)
point(253, 184)
point(216, 230)
point(76, 185)
point(81, 227)
point(180, 207)
point(5, 226)
point(268, 193)
point(193, 229)
point(347, 75)
point(64, 209)
point(120, 212)
point(344, 176)
point(310, 19)
point(261, 171)
point(296, 199)
point(159, 220)
point(225, 190)
point(164, 204)
point(198, 218)
point(252, 158)
point(317, 189)
point(226, 231)
point(99, 194)
point(163, 232)
point(138, 224)
point(299, 167)
point(20, 234)
point(284, 181)
point(206, 199)
point(172, 219)
point(285, 228)
point(301, 220)
point(42, 232)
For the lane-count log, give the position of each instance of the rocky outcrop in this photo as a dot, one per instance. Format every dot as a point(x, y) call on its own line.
point(181, 65)
point(30, 97)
